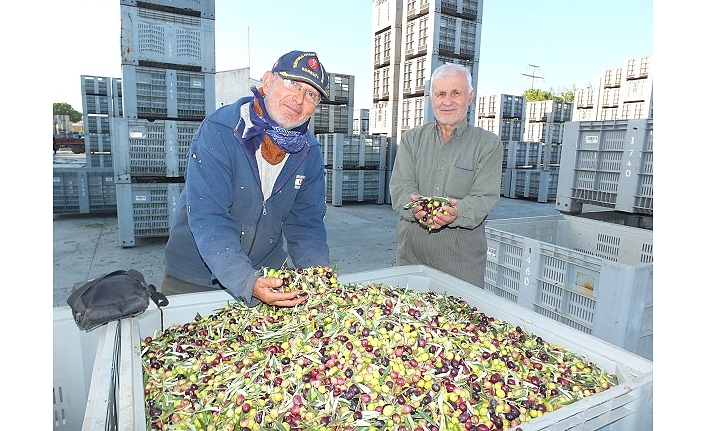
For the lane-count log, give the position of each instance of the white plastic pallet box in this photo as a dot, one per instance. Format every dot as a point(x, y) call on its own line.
point(625, 407)
point(591, 275)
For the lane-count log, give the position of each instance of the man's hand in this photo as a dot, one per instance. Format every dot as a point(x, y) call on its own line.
point(263, 290)
point(439, 220)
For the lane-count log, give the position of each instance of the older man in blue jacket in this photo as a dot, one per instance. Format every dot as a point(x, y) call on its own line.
point(255, 182)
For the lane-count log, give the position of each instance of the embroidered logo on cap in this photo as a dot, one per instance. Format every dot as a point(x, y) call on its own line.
point(313, 63)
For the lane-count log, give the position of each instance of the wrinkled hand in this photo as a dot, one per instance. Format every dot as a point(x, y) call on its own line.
point(263, 291)
point(439, 220)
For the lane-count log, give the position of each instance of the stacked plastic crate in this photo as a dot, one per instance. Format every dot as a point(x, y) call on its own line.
point(355, 163)
point(607, 159)
point(502, 114)
point(621, 93)
point(98, 107)
point(355, 167)
point(168, 86)
point(90, 188)
point(537, 177)
point(335, 115)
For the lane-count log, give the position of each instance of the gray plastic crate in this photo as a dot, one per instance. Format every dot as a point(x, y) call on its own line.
point(356, 185)
point(500, 106)
point(117, 85)
point(167, 37)
point(96, 124)
point(341, 88)
point(343, 151)
point(539, 184)
point(100, 160)
point(202, 8)
point(607, 163)
point(551, 155)
point(159, 93)
point(146, 149)
point(97, 105)
point(625, 407)
point(84, 190)
point(95, 85)
point(145, 210)
point(97, 143)
point(329, 118)
point(521, 154)
point(593, 276)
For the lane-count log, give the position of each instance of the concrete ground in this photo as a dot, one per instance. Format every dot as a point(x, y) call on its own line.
point(361, 237)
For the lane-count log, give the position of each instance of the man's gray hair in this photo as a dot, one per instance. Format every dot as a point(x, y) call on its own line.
point(450, 69)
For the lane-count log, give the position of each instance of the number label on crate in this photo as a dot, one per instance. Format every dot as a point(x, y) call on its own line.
point(528, 272)
point(631, 152)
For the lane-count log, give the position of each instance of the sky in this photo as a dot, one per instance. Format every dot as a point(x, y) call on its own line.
point(572, 42)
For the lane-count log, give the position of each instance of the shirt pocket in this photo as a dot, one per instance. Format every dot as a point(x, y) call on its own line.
point(460, 181)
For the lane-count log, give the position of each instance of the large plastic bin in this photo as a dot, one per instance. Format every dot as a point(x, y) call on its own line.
point(355, 185)
point(78, 355)
point(607, 163)
point(151, 149)
point(83, 190)
point(628, 406)
point(591, 275)
point(167, 37)
point(146, 210)
point(342, 151)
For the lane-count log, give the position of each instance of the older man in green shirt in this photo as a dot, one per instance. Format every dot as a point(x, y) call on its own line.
point(447, 158)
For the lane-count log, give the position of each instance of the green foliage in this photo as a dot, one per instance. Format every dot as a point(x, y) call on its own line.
point(64, 108)
point(563, 95)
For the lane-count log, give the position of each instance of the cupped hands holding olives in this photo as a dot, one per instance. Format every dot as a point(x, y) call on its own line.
point(433, 212)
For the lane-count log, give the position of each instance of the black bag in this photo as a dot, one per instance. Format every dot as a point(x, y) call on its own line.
point(111, 297)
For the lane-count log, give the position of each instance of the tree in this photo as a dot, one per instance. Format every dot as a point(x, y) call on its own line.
point(535, 95)
point(564, 95)
point(64, 108)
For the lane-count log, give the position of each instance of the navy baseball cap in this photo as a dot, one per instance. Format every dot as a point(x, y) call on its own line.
point(305, 67)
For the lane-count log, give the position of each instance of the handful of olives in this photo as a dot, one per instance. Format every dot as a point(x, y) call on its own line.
point(432, 205)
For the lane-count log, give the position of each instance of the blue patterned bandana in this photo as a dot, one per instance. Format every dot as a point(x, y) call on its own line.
point(290, 141)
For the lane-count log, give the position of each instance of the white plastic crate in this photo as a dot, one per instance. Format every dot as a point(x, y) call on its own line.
point(626, 407)
point(75, 360)
point(591, 275)
point(607, 163)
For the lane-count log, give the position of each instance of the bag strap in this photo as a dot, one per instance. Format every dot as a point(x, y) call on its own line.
point(78, 292)
point(157, 297)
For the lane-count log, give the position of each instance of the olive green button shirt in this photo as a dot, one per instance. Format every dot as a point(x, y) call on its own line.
point(468, 167)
